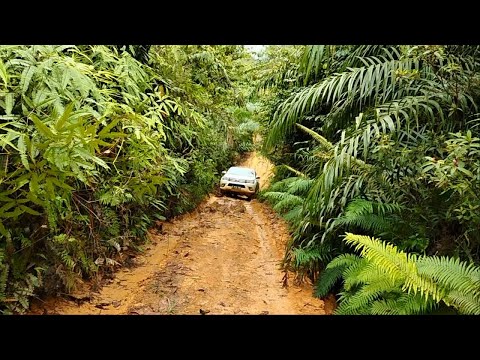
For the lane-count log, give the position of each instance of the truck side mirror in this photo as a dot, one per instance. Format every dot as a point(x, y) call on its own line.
point(224, 172)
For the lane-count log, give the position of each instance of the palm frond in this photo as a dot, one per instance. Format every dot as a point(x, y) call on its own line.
point(323, 142)
point(362, 84)
point(295, 171)
point(313, 59)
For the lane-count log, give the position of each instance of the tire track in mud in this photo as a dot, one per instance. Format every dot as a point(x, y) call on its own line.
point(222, 258)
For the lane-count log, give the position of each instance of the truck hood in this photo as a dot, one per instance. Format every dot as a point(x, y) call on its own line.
point(238, 177)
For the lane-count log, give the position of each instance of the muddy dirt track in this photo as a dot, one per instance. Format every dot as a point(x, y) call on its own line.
point(222, 258)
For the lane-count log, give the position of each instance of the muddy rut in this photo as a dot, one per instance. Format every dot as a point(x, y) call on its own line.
point(222, 258)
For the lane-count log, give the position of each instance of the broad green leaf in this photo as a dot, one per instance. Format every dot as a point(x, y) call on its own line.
point(50, 189)
point(9, 102)
point(21, 182)
point(7, 206)
point(29, 210)
point(3, 73)
point(61, 121)
point(87, 156)
point(113, 135)
point(4, 141)
point(4, 231)
point(465, 171)
point(61, 184)
point(107, 128)
point(13, 214)
point(7, 192)
point(33, 198)
point(26, 78)
point(33, 184)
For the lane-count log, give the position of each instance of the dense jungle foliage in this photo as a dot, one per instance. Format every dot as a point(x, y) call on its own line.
point(99, 142)
point(378, 172)
point(377, 151)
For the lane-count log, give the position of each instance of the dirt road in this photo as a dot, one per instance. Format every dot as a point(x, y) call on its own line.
point(223, 258)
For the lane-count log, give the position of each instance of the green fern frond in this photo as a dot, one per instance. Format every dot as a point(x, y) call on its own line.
point(363, 206)
point(406, 304)
point(282, 185)
point(248, 127)
point(451, 273)
point(294, 215)
point(305, 257)
point(397, 265)
point(364, 297)
point(343, 261)
point(327, 280)
point(283, 201)
point(300, 186)
point(351, 273)
point(384, 271)
point(383, 254)
point(287, 203)
point(372, 222)
point(67, 260)
point(365, 272)
point(466, 303)
point(385, 307)
point(4, 270)
point(413, 304)
point(110, 221)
